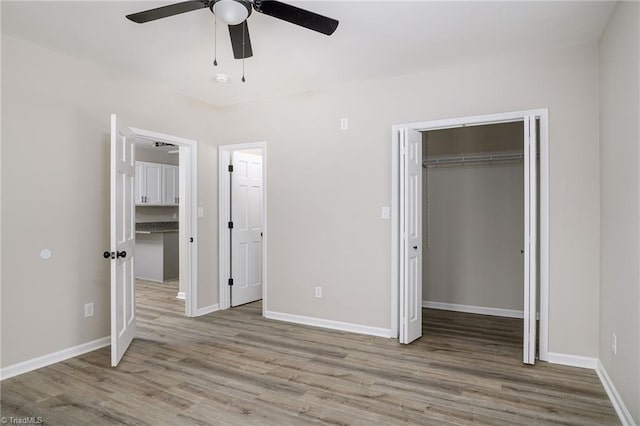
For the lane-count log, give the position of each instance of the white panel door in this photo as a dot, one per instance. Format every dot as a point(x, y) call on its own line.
point(530, 239)
point(246, 243)
point(411, 233)
point(123, 233)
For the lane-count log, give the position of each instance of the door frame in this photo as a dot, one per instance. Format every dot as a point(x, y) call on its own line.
point(224, 158)
point(497, 118)
point(187, 212)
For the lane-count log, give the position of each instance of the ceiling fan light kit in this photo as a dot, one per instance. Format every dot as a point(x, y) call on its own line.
point(231, 12)
point(234, 13)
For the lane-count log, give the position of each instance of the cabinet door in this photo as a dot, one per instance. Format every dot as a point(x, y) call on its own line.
point(170, 185)
point(153, 184)
point(139, 183)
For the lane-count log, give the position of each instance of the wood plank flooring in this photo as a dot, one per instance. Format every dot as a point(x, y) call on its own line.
point(236, 368)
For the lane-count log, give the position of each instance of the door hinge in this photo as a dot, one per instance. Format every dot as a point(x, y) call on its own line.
point(230, 281)
point(230, 225)
point(230, 167)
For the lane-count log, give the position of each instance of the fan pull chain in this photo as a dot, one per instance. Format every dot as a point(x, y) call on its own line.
point(243, 32)
point(215, 40)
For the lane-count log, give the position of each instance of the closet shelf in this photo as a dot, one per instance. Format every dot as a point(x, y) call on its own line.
point(431, 162)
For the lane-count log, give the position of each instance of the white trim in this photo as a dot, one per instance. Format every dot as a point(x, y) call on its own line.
point(471, 309)
point(52, 358)
point(614, 396)
point(224, 157)
point(544, 206)
point(208, 309)
point(188, 209)
point(180, 295)
point(330, 324)
point(395, 232)
point(573, 360)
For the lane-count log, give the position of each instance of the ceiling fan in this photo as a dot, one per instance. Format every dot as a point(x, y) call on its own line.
point(235, 12)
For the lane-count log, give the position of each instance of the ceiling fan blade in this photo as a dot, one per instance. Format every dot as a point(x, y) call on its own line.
point(297, 16)
point(166, 11)
point(239, 34)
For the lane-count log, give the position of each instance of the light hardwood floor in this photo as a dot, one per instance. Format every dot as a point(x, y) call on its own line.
point(236, 368)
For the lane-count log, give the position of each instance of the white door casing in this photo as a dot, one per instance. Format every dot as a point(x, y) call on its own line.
point(187, 216)
point(246, 213)
point(123, 313)
point(538, 218)
point(411, 235)
point(530, 239)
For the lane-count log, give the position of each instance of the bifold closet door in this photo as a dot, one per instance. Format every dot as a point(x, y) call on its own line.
point(411, 235)
point(530, 239)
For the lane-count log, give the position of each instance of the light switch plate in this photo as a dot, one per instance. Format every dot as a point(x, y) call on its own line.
point(385, 212)
point(200, 211)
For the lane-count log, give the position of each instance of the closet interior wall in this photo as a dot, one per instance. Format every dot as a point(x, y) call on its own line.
point(473, 218)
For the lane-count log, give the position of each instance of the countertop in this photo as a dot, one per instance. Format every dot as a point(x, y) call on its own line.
point(156, 227)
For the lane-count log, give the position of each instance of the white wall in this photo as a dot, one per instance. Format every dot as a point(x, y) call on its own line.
point(620, 201)
point(152, 155)
point(326, 186)
point(55, 192)
point(474, 229)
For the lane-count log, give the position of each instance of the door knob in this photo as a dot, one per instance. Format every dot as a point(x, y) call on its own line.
point(121, 254)
point(107, 255)
point(415, 247)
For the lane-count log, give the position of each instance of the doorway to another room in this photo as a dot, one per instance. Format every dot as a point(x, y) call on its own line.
point(157, 200)
point(142, 184)
point(242, 224)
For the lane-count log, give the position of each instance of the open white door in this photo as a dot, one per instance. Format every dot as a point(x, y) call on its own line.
point(530, 239)
point(246, 241)
point(123, 234)
point(411, 235)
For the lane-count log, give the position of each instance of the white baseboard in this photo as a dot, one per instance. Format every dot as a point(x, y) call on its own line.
point(573, 360)
point(482, 310)
point(181, 295)
point(207, 309)
point(45, 360)
point(614, 396)
point(333, 325)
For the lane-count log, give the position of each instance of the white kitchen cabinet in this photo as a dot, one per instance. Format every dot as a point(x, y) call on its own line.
point(171, 191)
point(149, 184)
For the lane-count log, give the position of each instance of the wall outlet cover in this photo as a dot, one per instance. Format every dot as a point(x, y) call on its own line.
point(88, 310)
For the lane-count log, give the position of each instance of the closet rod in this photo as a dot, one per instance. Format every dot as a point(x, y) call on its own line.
point(472, 158)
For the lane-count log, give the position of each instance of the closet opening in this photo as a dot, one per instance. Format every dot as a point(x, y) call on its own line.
point(476, 240)
point(473, 235)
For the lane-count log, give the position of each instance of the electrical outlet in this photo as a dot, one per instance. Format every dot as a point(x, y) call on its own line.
point(319, 292)
point(88, 310)
point(614, 343)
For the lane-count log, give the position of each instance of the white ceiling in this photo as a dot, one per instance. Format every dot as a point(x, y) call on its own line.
point(374, 39)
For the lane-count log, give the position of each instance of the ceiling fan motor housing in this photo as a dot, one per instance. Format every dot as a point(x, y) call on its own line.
point(231, 12)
